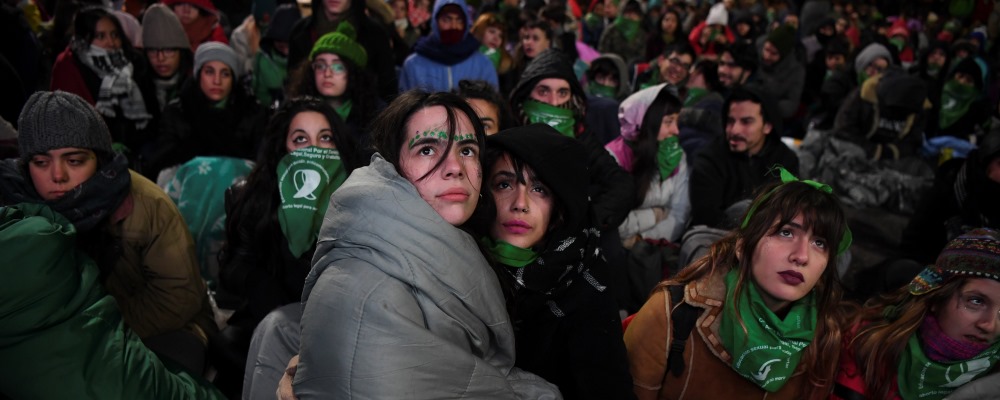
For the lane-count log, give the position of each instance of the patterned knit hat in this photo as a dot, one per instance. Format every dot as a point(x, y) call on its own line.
point(341, 42)
point(54, 120)
point(975, 254)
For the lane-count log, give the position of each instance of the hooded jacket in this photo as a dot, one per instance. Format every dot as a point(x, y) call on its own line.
point(885, 116)
point(622, 70)
point(783, 81)
point(416, 312)
point(560, 303)
point(437, 67)
point(372, 36)
point(61, 330)
point(611, 189)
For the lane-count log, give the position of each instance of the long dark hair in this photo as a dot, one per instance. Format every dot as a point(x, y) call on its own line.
point(257, 203)
point(646, 145)
point(777, 205)
point(85, 26)
point(360, 84)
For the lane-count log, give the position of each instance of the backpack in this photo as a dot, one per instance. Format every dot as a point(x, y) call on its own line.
point(682, 318)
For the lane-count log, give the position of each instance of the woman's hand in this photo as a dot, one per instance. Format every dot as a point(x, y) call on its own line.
point(285, 384)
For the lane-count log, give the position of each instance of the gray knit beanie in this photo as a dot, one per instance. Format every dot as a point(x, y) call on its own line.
point(55, 120)
point(162, 30)
point(217, 51)
point(871, 53)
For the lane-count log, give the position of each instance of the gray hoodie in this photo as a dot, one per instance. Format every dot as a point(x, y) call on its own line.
point(401, 304)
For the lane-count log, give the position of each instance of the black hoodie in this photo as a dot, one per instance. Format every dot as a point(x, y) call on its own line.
point(611, 188)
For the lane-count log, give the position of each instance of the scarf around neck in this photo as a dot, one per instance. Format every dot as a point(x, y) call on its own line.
point(86, 205)
point(557, 117)
point(117, 88)
point(956, 99)
point(430, 46)
point(306, 179)
point(668, 156)
point(628, 27)
point(920, 377)
point(770, 349)
point(508, 254)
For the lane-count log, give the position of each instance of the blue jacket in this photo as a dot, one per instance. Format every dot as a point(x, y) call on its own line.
point(436, 67)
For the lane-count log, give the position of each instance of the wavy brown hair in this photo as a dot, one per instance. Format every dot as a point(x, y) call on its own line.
point(886, 324)
point(777, 205)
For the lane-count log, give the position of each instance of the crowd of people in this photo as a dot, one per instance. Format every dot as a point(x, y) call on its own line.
point(648, 199)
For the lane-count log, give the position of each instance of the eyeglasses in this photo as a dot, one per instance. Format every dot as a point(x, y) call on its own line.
point(976, 305)
point(677, 61)
point(162, 52)
point(336, 68)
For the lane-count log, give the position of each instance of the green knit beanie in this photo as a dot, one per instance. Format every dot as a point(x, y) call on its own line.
point(342, 43)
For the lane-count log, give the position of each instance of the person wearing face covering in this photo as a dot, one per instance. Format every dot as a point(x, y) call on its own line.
point(448, 54)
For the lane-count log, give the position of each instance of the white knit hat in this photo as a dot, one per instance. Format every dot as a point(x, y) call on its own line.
point(718, 15)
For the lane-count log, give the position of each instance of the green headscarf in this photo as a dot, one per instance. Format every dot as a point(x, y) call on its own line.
point(306, 179)
point(770, 349)
point(559, 118)
point(956, 99)
point(668, 156)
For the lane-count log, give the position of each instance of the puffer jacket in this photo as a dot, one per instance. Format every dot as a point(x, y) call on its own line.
point(437, 67)
point(708, 373)
point(672, 195)
point(412, 313)
point(61, 335)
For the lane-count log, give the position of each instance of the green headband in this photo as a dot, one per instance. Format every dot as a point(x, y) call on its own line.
point(786, 177)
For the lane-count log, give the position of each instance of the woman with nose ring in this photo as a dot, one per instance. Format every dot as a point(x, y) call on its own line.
point(566, 323)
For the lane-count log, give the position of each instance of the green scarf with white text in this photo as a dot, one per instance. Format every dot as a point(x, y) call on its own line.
point(956, 99)
point(922, 378)
point(306, 179)
point(559, 118)
point(769, 351)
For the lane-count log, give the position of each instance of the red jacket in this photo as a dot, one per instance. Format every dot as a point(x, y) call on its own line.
point(66, 76)
point(849, 377)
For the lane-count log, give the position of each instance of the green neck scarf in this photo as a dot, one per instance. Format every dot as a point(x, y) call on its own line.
point(933, 70)
point(219, 105)
point(628, 27)
point(270, 71)
point(668, 156)
point(508, 254)
point(862, 77)
point(768, 353)
point(492, 54)
point(922, 378)
point(600, 90)
point(694, 95)
point(306, 179)
point(898, 42)
point(559, 118)
point(344, 109)
point(956, 99)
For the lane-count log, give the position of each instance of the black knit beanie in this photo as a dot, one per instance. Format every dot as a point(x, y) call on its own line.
point(54, 120)
point(783, 38)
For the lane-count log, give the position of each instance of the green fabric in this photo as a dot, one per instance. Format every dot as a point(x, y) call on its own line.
point(862, 77)
point(198, 189)
point(898, 42)
point(922, 378)
point(694, 95)
point(600, 90)
point(628, 27)
point(492, 54)
point(786, 177)
point(668, 156)
point(559, 118)
point(341, 42)
point(269, 73)
point(344, 109)
point(932, 70)
point(306, 179)
point(769, 351)
point(956, 99)
point(508, 254)
point(63, 333)
point(592, 21)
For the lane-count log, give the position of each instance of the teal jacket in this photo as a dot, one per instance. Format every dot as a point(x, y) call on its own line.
point(61, 335)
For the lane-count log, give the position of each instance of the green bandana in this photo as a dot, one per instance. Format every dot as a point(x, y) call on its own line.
point(922, 378)
point(269, 73)
point(898, 42)
point(306, 179)
point(956, 99)
point(559, 118)
point(862, 77)
point(932, 70)
point(845, 241)
point(694, 95)
point(508, 254)
point(344, 109)
point(591, 20)
point(628, 27)
point(600, 90)
point(668, 156)
point(491, 54)
point(769, 351)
